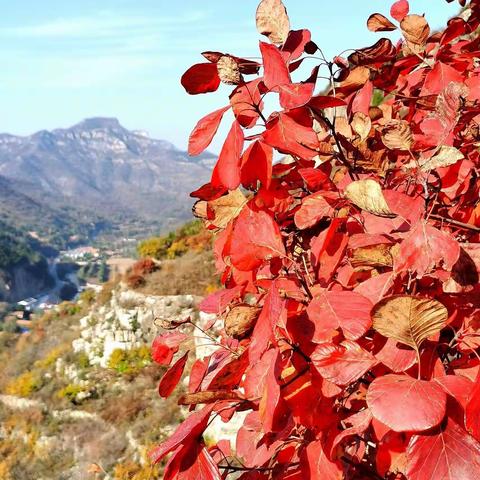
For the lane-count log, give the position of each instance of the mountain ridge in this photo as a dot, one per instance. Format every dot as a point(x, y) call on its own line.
point(99, 166)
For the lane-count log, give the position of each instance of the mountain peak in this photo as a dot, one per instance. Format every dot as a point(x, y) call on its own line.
point(95, 123)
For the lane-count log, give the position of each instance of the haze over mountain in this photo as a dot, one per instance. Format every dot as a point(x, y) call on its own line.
point(97, 174)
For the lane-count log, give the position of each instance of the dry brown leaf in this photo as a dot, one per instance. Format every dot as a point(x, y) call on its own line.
point(272, 20)
point(443, 158)
point(397, 135)
point(415, 29)
point(367, 195)
point(361, 125)
point(379, 23)
point(240, 320)
point(228, 70)
point(356, 79)
point(372, 256)
point(219, 212)
point(409, 320)
point(207, 397)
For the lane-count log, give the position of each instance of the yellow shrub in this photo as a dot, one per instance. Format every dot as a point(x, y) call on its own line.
point(5, 471)
point(135, 471)
point(71, 391)
point(130, 361)
point(177, 249)
point(24, 385)
point(52, 356)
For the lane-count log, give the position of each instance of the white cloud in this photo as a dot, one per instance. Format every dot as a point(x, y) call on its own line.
point(104, 24)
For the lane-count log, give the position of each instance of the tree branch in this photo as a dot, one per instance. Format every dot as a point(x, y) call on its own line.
point(343, 158)
point(457, 223)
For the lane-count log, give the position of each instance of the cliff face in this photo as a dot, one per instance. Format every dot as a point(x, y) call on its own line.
point(24, 279)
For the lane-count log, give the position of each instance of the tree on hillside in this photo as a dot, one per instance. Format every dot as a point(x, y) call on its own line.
point(351, 292)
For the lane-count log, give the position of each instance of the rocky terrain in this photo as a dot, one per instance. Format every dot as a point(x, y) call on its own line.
point(78, 395)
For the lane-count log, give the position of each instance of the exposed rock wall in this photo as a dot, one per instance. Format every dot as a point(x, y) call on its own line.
point(24, 280)
point(128, 321)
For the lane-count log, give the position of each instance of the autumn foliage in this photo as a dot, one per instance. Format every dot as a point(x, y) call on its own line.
point(351, 305)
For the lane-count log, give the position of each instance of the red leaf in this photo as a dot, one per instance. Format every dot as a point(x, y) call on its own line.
point(171, 377)
point(342, 364)
point(439, 78)
point(359, 422)
point(458, 387)
point(425, 248)
point(246, 102)
point(316, 179)
point(218, 301)
point(255, 239)
point(363, 99)
point(456, 27)
point(314, 207)
point(227, 170)
point(270, 401)
point(201, 78)
point(165, 346)
point(199, 465)
point(375, 288)
point(406, 404)
point(472, 410)
point(257, 165)
point(349, 311)
point(273, 310)
point(296, 95)
point(255, 377)
point(399, 10)
point(197, 374)
point(295, 44)
point(392, 453)
point(447, 453)
point(204, 131)
point(321, 102)
point(396, 357)
point(288, 136)
point(319, 465)
point(275, 70)
point(328, 249)
point(188, 431)
point(208, 192)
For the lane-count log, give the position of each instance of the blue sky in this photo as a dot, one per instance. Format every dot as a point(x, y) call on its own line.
point(65, 60)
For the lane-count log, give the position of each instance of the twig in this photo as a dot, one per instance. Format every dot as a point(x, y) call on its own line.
point(343, 158)
point(457, 223)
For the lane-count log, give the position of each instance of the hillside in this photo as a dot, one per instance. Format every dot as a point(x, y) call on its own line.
point(78, 394)
point(96, 176)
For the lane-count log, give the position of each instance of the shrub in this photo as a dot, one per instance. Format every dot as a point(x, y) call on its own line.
point(135, 280)
point(71, 392)
point(144, 266)
point(360, 249)
point(24, 385)
point(87, 296)
point(176, 249)
point(135, 471)
point(129, 361)
point(105, 294)
point(52, 356)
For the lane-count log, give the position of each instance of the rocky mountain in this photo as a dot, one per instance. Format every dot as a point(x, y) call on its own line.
point(99, 173)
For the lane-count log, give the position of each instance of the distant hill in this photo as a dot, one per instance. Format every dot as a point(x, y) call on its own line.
point(94, 176)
